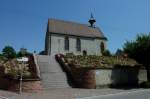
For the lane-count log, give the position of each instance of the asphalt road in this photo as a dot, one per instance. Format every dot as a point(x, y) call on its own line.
point(79, 94)
point(142, 94)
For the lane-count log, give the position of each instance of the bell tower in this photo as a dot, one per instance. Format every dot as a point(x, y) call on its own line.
point(92, 20)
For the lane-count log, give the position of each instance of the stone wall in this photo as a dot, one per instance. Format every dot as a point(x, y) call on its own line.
point(120, 76)
point(77, 77)
point(31, 82)
point(27, 86)
point(87, 77)
point(83, 78)
point(142, 75)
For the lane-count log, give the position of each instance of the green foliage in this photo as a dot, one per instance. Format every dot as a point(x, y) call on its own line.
point(145, 84)
point(139, 50)
point(23, 52)
point(9, 52)
point(106, 53)
point(119, 52)
point(1, 57)
point(20, 54)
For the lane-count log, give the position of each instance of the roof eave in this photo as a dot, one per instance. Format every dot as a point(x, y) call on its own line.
point(103, 38)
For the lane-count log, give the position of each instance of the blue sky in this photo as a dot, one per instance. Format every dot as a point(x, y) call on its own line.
point(23, 22)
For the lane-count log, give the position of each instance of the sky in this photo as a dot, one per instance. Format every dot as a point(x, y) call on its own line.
point(23, 22)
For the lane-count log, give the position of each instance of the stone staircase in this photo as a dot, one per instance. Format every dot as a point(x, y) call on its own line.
point(51, 73)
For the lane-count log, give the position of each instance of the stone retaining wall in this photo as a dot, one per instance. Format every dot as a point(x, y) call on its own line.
point(31, 83)
point(27, 86)
point(100, 77)
point(120, 77)
point(79, 77)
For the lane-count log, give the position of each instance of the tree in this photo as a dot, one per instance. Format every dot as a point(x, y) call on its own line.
point(9, 52)
point(139, 50)
point(1, 56)
point(106, 53)
point(119, 52)
point(23, 52)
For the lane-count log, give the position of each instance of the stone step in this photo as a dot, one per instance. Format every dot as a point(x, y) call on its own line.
point(47, 68)
point(54, 77)
point(48, 64)
point(51, 73)
point(49, 84)
point(43, 58)
point(53, 87)
point(55, 83)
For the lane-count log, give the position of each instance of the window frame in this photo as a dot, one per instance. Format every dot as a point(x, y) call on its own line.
point(66, 43)
point(78, 44)
point(102, 47)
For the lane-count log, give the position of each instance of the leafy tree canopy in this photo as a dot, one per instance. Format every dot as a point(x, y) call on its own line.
point(139, 49)
point(9, 52)
point(1, 56)
point(106, 53)
point(23, 52)
point(119, 52)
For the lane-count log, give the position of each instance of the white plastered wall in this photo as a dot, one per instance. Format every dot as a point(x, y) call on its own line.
point(92, 46)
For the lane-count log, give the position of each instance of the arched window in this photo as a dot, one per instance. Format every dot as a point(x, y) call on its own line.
point(102, 47)
point(66, 43)
point(78, 44)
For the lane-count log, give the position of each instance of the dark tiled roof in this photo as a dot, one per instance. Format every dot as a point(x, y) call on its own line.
point(72, 28)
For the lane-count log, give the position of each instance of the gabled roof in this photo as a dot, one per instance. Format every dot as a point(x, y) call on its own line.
point(73, 28)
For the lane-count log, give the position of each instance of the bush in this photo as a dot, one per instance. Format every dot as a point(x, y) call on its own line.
point(145, 84)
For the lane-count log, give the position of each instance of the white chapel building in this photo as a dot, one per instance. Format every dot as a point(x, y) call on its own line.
point(71, 37)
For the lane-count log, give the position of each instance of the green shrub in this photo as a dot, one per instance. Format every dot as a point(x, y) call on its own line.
point(145, 84)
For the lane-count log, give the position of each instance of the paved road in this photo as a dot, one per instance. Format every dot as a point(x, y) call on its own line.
point(79, 94)
point(141, 94)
